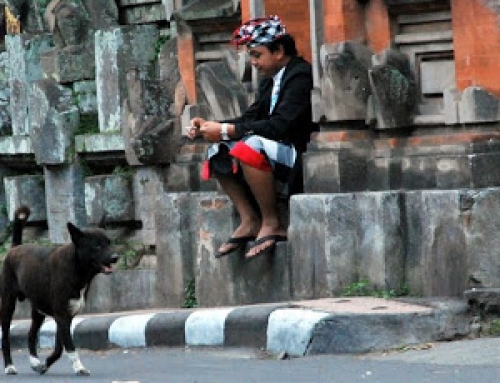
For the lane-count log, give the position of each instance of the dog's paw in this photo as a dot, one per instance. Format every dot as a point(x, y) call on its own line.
point(40, 368)
point(82, 372)
point(10, 370)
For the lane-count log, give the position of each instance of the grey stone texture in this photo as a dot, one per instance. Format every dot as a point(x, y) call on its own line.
point(118, 50)
point(55, 119)
point(358, 165)
point(231, 280)
point(121, 291)
point(151, 135)
point(352, 237)
point(394, 90)
point(345, 86)
point(5, 119)
point(73, 24)
point(65, 191)
point(221, 90)
point(109, 196)
point(148, 188)
point(175, 247)
point(85, 94)
point(352, 333)
point(25, 66)
point(28, 190)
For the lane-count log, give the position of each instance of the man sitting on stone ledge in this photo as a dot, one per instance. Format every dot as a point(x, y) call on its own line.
point(253, 157)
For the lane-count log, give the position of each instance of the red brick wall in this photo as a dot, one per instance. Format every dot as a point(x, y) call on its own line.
point(245, 10)
point(476, 40)
point(295, 15)
point(344, 20)
point(187, 64)
point(378, 27)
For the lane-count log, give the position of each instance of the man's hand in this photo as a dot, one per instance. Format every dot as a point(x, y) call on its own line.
point(193, 130)
point(211, 131)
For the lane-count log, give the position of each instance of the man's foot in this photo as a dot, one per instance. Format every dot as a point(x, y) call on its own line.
point(264, 244)
point(233, 244)
point(240, 237)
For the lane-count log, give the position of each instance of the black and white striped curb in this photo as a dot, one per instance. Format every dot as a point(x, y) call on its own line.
point(274, 328)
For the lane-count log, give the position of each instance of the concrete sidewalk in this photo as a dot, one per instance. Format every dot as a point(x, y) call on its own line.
point(324, 326)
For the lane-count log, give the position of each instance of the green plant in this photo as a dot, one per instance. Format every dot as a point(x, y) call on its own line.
point(86, 169)
point(190, 295)
point(89, 124)
point(160, 42)
point(495, 327)
point(127, 258)
point(365, 288)
point(125, 172)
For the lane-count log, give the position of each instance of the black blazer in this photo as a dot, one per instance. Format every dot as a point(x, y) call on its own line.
point(291, 119)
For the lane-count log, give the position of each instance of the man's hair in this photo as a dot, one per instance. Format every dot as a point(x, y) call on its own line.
point(288, 43)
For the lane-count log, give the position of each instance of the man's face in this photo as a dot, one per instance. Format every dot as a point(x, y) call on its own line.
point(266, 62)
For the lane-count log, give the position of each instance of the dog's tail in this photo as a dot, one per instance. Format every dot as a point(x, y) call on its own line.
point(21, 216)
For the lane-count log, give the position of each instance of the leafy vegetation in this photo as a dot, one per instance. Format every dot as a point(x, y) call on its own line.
point(190, 295)
point(365, 288)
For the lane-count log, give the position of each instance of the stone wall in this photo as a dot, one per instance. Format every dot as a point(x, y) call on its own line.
point(398, 192)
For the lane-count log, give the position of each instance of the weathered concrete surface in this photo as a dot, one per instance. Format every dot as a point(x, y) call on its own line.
point(54, 121)
point(175, 247)
point(109, 196)
point(338, 239)
point(230, 280)
point(428, 242)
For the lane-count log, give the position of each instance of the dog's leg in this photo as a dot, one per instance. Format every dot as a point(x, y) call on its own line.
point(58, 349)
point(8, 307)
point(64, 338)
point(36, 322)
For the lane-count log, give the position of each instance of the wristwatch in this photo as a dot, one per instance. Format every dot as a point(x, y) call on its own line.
point(223, 132)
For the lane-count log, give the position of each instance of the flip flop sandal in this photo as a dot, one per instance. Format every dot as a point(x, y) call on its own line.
point(240, 242)
point(274, 237)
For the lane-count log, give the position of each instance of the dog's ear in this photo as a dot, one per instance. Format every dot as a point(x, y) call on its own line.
point(75, 232)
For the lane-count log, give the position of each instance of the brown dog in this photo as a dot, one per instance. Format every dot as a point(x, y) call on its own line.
point(55, 281)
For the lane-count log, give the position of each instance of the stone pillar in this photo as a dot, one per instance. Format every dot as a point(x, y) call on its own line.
point(25, 67)
point(54, 121)
point(317, 38)
point(5, 93)
point(65, 190)
point(148, 186)
point(175, 247)
point(117, 50)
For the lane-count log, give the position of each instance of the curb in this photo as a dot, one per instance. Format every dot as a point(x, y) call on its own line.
point(276, 328)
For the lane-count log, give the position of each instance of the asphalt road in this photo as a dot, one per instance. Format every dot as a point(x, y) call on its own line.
point(464, 361)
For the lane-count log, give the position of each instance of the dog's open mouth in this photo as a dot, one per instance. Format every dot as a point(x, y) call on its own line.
point(107, 268)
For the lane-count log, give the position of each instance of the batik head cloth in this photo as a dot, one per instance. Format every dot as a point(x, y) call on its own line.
point(259, 31)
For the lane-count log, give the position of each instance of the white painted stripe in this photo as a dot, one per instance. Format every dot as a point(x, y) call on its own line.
point(206, 327)
point(12, 326)
point(129, 331)
point(47, 334)
point(290, 330)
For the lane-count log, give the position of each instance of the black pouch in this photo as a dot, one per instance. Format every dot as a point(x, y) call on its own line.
point(222, 162)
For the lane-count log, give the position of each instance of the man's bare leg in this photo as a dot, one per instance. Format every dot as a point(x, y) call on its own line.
point(262, 185)
point(249, 218)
